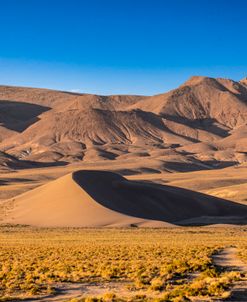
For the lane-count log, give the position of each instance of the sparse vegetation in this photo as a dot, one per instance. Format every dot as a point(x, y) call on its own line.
point(172, 264)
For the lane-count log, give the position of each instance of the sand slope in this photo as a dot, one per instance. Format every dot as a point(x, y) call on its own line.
point(98, 198)
point(64, 203)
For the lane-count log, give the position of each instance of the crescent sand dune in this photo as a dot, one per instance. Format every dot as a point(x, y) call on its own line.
point(104, 199)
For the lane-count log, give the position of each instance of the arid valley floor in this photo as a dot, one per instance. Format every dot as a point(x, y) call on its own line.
point(171, 263)
point(124, 198)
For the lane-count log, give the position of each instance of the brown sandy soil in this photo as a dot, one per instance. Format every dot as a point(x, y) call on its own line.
point(228, 259)
point(67, 291)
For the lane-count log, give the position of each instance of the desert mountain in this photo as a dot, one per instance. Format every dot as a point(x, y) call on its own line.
point(98, 198)
point(202, 122)
point(244, 81)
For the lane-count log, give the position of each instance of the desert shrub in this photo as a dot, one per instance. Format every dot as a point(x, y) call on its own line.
point(33, 260)
point(157, 284)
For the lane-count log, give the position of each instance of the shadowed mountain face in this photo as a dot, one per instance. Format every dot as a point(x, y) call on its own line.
point(200, 124)
point(105, 199)
point(18, 116)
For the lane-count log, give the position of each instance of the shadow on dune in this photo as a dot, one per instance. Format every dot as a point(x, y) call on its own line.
point(158, 202)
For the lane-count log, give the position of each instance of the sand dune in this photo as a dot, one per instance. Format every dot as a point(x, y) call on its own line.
point(64, 203)
point(98, 198)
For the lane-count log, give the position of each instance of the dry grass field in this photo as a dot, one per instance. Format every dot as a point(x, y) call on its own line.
point(169, 264)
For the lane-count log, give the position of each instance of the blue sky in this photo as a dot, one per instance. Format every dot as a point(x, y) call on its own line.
point(120, 46)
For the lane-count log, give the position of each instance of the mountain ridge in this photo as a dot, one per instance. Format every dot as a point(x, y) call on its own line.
point(201, 115)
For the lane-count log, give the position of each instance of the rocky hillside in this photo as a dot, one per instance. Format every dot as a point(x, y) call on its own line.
point(203, 121)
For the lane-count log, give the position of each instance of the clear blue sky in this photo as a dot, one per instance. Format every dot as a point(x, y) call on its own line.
point(120, 46)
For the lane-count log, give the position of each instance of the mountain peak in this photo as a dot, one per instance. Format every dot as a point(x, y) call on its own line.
point(194, 80)
point(243, 81)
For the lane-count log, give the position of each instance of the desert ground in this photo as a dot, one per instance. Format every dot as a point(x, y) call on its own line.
point(120, 257)
point(124, 198)
point(123, 264)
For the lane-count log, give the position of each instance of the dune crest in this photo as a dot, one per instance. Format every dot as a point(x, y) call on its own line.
point(63, 203)
point(105, 199)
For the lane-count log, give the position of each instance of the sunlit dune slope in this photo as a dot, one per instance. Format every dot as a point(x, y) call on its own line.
point(98, 198)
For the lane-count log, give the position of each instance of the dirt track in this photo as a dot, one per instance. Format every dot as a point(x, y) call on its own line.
point(229, 260)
